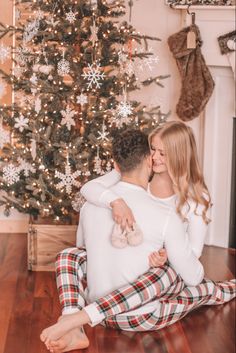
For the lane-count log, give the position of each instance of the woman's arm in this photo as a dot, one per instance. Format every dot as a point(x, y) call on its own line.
point(197, 230)
point(97, 190)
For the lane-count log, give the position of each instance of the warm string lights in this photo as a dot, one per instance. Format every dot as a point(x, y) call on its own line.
point(73, 94)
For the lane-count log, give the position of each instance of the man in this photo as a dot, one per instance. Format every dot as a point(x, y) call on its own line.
point(109, 268)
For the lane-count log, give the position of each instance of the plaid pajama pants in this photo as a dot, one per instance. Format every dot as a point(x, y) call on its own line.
point(175, 300)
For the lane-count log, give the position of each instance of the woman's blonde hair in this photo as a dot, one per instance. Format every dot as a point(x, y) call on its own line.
point(183, 166)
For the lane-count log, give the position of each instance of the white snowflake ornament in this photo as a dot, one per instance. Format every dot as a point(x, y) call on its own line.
point(71, 16)
point(18, 71)
point(30, 30)
point(17, 14)
point(33, 149)
point(93, 74)
point(11, 174)
point(67, 179)
point(25, 166)
point(108, 166)
point(63, 67)
point(4, 135)
point(4, 53)
point(37, 105)
point(21, 123)
point(94, 31)
point(124, 109)
point(82, 99)
point(122, 57)
point(103, 134)
point(51, 22)
point(33, 79)
point(2, 88)
point(68, 117)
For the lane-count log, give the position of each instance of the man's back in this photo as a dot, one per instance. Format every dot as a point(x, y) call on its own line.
point(108, 267)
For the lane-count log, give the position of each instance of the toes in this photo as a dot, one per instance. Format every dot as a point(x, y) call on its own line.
point(42, 337)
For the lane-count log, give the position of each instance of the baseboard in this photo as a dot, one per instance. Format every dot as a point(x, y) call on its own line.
point(14, 226)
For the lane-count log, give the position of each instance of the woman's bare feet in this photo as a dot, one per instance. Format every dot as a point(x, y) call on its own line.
point(74, 339)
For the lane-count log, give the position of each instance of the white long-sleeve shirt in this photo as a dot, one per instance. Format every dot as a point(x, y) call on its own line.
point(98, 191)
point(109, 268)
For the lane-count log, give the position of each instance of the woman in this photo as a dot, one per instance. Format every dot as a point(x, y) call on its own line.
point(177, 180)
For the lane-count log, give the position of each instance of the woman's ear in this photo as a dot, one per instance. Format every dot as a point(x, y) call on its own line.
point(116, 167)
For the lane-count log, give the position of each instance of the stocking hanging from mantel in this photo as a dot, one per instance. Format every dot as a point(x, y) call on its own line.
point(197, 82)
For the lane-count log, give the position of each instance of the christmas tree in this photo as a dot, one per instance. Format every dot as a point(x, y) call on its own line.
point(76, 64)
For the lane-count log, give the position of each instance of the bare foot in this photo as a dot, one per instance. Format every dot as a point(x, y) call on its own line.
point(54, 332)
point(74, 339)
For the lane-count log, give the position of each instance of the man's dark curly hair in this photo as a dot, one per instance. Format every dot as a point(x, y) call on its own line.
point(129, 148)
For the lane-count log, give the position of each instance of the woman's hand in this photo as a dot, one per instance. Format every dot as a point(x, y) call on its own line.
point(122, 214)
point(157, 258)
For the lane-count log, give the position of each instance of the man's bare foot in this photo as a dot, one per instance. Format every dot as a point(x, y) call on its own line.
point(65, 324)
point(74, 339)
point(54, 332)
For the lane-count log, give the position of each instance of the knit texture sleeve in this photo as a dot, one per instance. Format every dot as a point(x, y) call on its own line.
point(97, 190)
point(180, 253)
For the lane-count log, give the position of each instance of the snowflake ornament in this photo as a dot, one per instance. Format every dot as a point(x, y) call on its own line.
point(63, 67)
point(30, 30)
point(4, 135)
point(94, 74)
point(23, 55)
point(51, 22)
point(18, 71)
point(129, 69)
point(124, 109)
point(82, 99)
point(25, 166)
point(17, 14)
point(11, 174)
point(98, 164)
point(94, 31)
point(39, 15)
point(71, 16)
point(37, 105)
point(4, 53)
point(78, 202)
point(108, 166)
point(68, 117)
point(33, 148)
point(21, 123)
point(122, 57)
point(103, 134)
point(33, 79)
point(67, 179)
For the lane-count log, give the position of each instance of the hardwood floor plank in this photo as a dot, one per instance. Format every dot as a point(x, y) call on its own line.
point(10, 248)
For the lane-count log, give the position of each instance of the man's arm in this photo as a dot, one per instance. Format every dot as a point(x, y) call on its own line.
point(180, 253)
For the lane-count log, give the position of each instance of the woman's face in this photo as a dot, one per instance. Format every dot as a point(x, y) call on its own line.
point(158, 155)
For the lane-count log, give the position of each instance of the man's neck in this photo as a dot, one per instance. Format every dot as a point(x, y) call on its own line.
point(135, 178)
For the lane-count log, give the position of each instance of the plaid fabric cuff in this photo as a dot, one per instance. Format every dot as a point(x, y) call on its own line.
point(95, 316)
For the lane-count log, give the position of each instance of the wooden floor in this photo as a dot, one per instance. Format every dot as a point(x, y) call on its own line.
point(28, 303)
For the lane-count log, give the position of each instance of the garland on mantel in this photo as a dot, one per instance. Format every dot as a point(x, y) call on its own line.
point(201, 2)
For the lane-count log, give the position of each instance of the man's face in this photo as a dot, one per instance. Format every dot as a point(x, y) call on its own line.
point(158, 155)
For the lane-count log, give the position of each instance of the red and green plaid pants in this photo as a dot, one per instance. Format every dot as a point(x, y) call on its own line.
point(175, 299)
